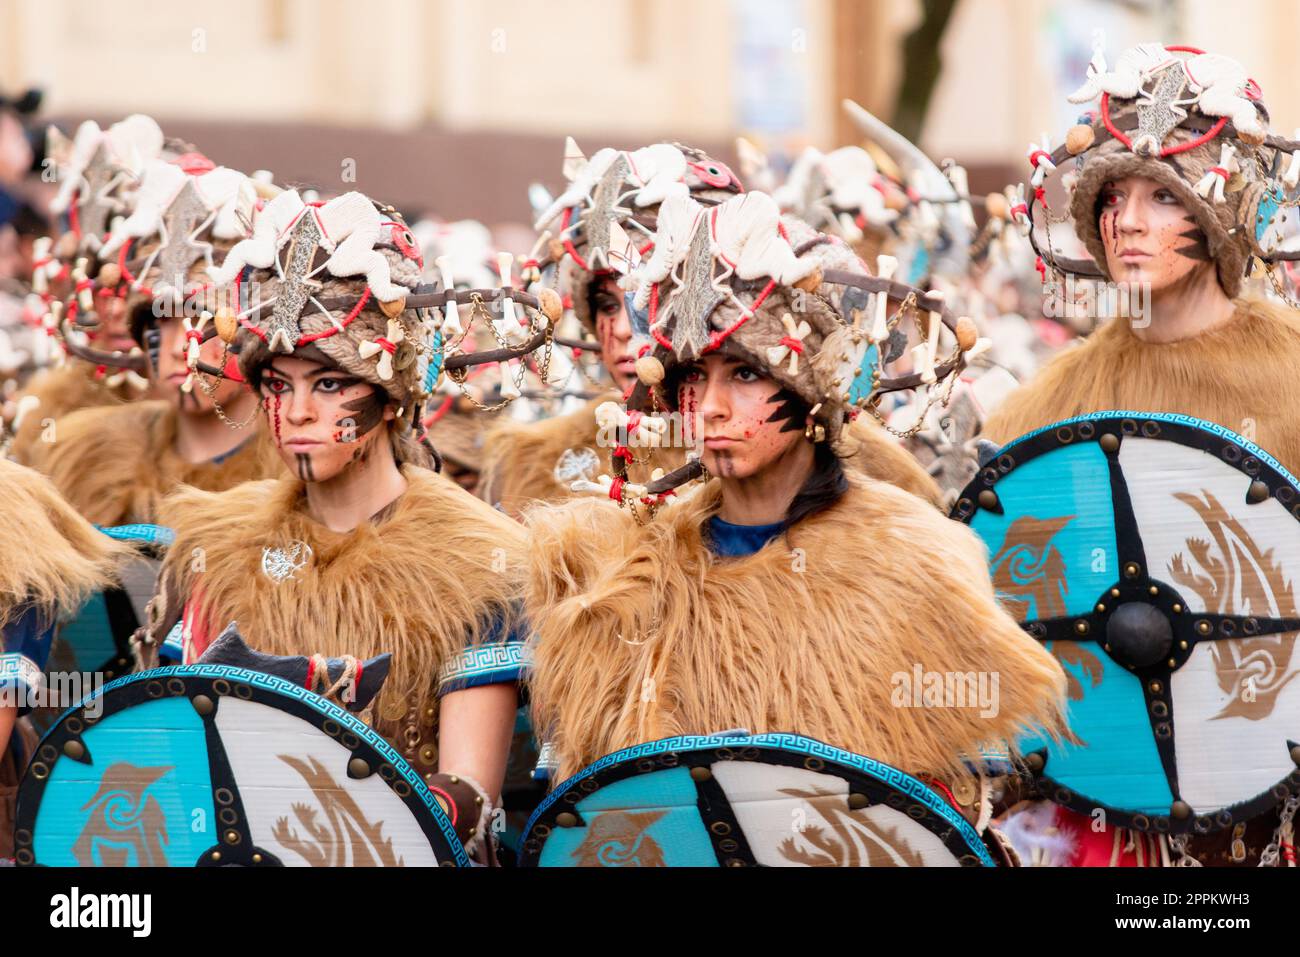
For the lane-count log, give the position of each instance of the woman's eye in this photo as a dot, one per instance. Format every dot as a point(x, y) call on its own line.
point(1110, 199)
point(746, 375)
point(276, 386)
point(1164, 196)
point(329, 385)
point(692, 376)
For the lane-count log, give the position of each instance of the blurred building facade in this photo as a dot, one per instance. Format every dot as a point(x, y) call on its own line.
point(455, 105)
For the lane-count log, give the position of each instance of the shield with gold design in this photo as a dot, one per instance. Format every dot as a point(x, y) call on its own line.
point(1157, 557)
point(740, 800)
point(212, 765)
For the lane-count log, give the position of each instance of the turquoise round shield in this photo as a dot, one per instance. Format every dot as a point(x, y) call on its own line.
point(212, 765)
point(1157, 557)
point(739, 800)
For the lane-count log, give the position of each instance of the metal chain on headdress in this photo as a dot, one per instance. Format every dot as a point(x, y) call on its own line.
point(1270, 269)
point(1268, 857)
point(909, 303)
point(479, 309)
point(210, 391)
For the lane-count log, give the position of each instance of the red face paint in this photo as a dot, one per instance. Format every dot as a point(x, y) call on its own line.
point(686, 406)
point(274, 400)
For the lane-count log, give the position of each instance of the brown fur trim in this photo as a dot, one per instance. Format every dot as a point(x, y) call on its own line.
point(1244, 376)
point(68, 388)
point(48, 553)
point(422, 583)
point(641, 633)
point(519, 458)
point(114, 464)
point(870, 451)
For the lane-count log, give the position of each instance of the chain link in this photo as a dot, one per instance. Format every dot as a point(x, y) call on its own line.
point(479, 309)
point(1269, 856)
point(210, 390)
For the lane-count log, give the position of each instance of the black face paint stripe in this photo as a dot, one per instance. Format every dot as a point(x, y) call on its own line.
point(1199, 249)
point(304, 467)
point(791, 409)
point(368, 412)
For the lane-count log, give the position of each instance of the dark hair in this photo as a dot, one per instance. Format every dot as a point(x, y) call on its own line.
point(824, 487)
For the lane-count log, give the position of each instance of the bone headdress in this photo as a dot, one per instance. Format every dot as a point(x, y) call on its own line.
point(831, 191)
point(348, 228)
point(606, 216)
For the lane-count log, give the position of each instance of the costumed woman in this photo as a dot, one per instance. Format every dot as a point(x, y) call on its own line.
point(50, 560)
point(1176, 193)
point(115, 463)
point(611, 201)
point(785, 592)
point(98, 172)
point(1185, 224)
point(362, 549)
point(533, 457)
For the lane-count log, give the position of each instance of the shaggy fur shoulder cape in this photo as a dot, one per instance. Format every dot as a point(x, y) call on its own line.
point(424, 581)
point(1244, 376)
point(115, 464)
point(49, 554)
point(868, 450)
point(642, 633)
point(68, 388)
point(520, 458)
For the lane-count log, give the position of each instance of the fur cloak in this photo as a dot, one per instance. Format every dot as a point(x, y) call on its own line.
point(1243, 375)
point(68, 388)
point(869, 451)
point(520, 458)
point(423, 581)
point(115, 464)
point(49, 554)
point(642, 633)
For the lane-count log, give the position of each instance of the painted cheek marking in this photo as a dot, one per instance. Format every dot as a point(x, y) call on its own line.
point(686, 403)
point(275, 417)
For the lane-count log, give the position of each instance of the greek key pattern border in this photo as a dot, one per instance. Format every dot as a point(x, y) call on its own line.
point(1173, 418)
point(16, 665)
point(885, 773)
point(485, 660)
point(151, 534)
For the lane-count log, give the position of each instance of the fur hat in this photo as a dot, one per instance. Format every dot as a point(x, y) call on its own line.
point(1195, 123)
point(612, 203)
